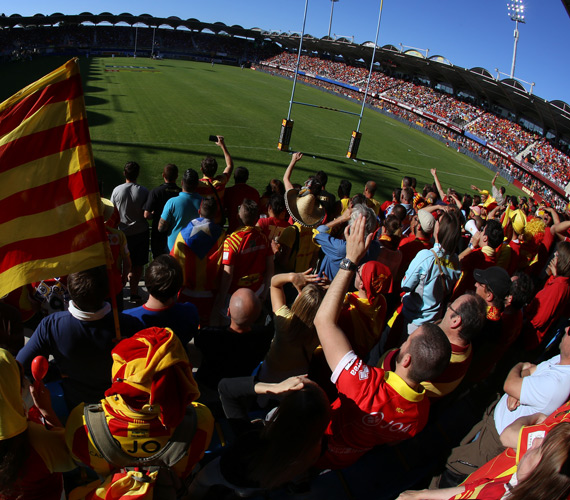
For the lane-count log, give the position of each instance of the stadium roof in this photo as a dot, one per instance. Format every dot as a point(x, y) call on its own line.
point(508, 93)
point(566, 4)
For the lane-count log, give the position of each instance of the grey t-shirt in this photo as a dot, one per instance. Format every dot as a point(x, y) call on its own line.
point(129, 198)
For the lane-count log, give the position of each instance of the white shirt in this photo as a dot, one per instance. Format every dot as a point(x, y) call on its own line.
point(542, 392)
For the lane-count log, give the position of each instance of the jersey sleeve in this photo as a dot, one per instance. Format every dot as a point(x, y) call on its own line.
point(353, 377)
point(38, 345)
point(231, 248)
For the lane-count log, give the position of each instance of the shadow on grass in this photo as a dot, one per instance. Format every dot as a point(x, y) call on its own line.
point(95, 101)
point(198, 152)
point(378, 164)
point(97, 119)
point(88, 89)
point(108, 176)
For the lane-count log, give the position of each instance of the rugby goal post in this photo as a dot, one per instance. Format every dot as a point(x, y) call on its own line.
point(287, 123)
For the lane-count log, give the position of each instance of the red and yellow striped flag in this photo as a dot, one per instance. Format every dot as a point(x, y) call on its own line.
point(50, 221)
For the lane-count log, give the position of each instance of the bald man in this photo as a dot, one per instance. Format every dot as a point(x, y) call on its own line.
point(244, 309)
point(234, 350)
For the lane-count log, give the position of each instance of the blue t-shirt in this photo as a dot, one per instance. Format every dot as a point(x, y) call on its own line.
point(334, 250)
point(178, 212)
point(182, 319)
point(81, 350)
point(426, 291)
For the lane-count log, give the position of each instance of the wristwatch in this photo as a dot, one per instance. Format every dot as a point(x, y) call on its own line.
point(347, 265)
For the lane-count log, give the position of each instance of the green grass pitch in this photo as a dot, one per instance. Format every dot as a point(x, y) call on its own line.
point(165, 114)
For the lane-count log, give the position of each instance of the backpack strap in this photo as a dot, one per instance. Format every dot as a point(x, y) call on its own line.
point(112, 452)
point(442, 275)
point(437, 261)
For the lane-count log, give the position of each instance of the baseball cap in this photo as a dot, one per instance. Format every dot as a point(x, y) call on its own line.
point(427, 221)
point(496, 278)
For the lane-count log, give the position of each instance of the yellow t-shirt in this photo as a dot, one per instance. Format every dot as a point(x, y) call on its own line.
point(300, 260)
point(289, 353)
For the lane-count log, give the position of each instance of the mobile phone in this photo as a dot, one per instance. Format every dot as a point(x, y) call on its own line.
point(213, 138)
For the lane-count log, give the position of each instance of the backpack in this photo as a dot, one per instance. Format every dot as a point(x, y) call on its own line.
point(156, 468)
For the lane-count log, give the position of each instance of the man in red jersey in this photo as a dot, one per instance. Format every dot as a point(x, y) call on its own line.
point(374, 406)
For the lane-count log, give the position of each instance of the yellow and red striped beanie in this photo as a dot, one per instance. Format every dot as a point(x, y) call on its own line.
point(152, 368)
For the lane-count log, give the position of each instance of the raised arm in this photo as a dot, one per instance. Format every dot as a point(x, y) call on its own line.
point(299, 280)
point(437, 183)
point(554, 214)
point(341, 219)
point(287, 175)
point(333, 340)
point(434, 208)
point(229, 161)
point(560, 229)
point(42, 400)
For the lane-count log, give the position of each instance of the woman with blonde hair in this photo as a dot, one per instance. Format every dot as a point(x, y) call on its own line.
point(295, 337)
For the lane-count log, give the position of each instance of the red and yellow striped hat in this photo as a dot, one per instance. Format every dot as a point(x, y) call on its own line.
point(152, 368)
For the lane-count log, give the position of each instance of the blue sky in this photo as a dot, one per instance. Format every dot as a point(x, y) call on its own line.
point(469, 34)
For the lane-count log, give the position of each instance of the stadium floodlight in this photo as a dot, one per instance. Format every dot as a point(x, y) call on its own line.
point(330, 22)
point(515, 10)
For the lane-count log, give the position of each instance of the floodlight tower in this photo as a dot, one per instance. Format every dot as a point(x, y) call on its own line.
point(516, 13)
point(330, 22)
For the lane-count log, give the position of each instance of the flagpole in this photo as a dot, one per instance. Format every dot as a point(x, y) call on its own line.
point(112, 292)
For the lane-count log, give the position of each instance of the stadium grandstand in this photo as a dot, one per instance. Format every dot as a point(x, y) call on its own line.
point(497, 122)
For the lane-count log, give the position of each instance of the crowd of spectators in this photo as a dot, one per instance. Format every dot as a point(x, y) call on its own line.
point(413, 94)
point(503, 132)
point(454, 110)
point(550, 162)
point(361, 319)
point(511, 137)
